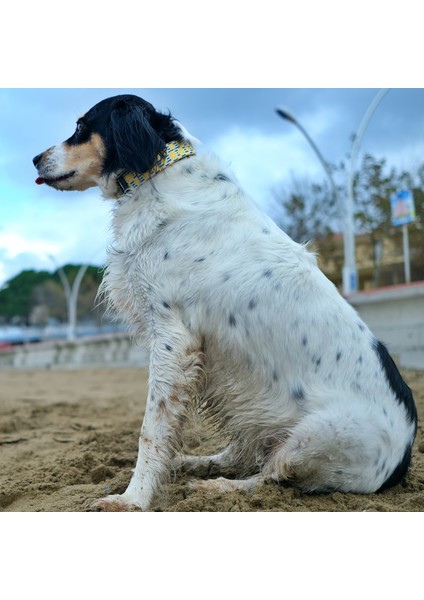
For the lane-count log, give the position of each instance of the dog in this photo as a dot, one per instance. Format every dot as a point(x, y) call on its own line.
point(240, 321)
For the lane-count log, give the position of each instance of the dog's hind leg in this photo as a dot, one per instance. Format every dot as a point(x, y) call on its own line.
point(340, 448)
point(176, 373)
point(205, 464)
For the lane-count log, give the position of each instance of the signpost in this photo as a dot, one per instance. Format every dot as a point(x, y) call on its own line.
point(403, 213)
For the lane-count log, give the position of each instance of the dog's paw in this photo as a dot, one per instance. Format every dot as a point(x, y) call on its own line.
point(115, 503)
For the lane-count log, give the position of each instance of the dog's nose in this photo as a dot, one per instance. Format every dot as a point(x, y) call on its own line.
point(36, 159)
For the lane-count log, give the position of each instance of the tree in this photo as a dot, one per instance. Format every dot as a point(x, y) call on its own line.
point(33, 297)
point(306, 211)
point(15, 296)
point(309, 213)
point(374, 185)
point(416, 238)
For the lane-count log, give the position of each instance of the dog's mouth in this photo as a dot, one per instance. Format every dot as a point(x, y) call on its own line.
point(53, 181)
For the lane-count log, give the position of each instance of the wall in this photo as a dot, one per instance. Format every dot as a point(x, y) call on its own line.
point(396, 316)
point(112, 349)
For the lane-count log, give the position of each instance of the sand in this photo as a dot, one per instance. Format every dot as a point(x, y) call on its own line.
point(70, 437)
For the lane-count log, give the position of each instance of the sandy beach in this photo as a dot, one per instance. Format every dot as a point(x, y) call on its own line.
point(70, 437)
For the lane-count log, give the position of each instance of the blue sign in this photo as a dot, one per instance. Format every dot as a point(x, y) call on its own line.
point(403, 208)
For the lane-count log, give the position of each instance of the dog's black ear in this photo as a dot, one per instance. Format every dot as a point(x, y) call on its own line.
point(136, 143)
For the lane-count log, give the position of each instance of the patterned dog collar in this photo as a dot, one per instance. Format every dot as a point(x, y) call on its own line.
point(173, 152)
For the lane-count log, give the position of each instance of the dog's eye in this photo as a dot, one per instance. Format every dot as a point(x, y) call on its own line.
point(79, 128)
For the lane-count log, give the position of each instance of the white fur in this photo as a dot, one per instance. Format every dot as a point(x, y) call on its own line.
point(239, 319)
point(57, 157)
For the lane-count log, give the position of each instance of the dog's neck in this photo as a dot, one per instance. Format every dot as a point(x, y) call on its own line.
point(173, 152)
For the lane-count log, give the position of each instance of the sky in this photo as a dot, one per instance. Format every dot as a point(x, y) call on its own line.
point(41, 228)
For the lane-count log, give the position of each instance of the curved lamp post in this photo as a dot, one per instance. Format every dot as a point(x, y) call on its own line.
point(350, 275)
point(71, 294)
point(288, 116)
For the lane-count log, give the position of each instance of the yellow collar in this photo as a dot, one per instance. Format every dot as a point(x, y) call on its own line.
point(173, 152)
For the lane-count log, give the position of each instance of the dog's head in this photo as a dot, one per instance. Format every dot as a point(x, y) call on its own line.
point(122, 133)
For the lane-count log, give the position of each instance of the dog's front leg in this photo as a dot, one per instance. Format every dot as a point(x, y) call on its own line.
point(176, 374)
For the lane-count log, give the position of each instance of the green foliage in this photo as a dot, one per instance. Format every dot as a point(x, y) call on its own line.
point(306, 211)
point(15, 296)
point(34, 296)
point(372, 191)
point(374, 185)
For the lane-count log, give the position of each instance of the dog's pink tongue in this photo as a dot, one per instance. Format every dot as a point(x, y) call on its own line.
point(39, 180)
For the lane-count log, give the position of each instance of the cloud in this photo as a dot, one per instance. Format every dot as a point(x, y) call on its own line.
point(263, 162)
point(13, 245)
point(71, 228)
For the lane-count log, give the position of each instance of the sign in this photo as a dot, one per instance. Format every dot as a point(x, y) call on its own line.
point(403, 208)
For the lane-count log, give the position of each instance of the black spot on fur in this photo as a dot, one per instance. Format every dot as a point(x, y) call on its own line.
point(361, 327)
point(355, 386)
point(381, 468)
point(338, 355)
point(232, 320)
point(252, 303)
point(274, 376)
point(304, 341)
point(166, 256)
point(226, 276)
point(201, 259)
point(165, 304)
point(168, 347)
point(267, 273)
point(318, 361)
point(298, 393)
point(266, 231)
point(222, 177)
point(397, 384)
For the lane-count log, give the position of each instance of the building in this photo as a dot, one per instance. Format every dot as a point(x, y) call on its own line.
point(379, 262)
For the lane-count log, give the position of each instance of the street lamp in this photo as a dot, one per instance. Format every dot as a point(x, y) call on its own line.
point(71, 294)
point(288, 116)
point(349, 274)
